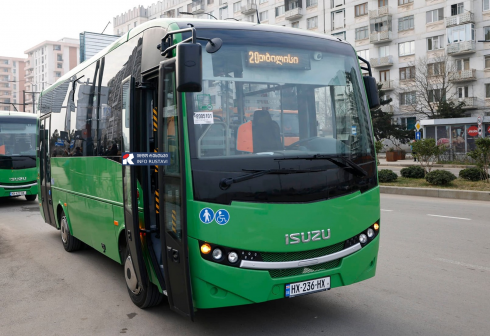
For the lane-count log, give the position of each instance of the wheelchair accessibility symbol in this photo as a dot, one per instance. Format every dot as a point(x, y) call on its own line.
point(222, 217)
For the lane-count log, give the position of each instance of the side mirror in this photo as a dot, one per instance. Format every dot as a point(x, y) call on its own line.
point(371, 91)
point(189, 67)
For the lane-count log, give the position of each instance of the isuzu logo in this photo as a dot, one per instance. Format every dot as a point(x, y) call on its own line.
point(306, 237)
point(13, 179)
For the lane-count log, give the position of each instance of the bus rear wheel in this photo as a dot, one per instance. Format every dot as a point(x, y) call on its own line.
point(31, 198)
point(70, 243)
point(144, 296)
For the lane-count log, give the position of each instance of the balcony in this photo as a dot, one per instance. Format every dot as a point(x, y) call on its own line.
point(470, 102)
point(459, 48)
point(463, 76)
point(380, 37)
point(197, 7)
point(387, 85)
point(294, 14)
point(388, 108)
point(381, 11)
point(381, 61)
point(29, 74)
point(466, 17)
point(249, 8)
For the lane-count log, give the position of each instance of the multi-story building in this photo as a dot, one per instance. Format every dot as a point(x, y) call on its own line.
point(11, 83)
point(46, 63)
point(392, 34)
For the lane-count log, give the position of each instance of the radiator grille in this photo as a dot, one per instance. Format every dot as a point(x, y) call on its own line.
point(293, 256)
point(281, 273)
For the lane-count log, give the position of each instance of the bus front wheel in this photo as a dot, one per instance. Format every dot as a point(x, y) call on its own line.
point(144, 296)
point(70, 243)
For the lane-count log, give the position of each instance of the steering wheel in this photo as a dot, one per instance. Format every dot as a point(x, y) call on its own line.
point(300, 142)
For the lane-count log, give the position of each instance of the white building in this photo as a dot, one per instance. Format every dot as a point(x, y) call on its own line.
point(47, 62)
point(392, 34)
point(11, 83)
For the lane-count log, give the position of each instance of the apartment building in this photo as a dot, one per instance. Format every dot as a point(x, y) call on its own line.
point(11, 83)
point(46, 63)
point(392, 34)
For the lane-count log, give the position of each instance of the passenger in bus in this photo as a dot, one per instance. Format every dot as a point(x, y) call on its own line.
point(78, 152)
point(112, 151)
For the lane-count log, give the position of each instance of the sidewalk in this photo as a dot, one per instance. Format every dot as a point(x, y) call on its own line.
point(410, 162)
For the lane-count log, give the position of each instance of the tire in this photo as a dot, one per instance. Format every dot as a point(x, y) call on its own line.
point(70, 243)
point(142, 296)
point(31, 198)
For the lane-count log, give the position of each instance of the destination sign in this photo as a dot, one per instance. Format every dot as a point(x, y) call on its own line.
point(298, 61)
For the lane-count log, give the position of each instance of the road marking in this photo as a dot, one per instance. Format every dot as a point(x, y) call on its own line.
point(385, 210)
point(483, 268)
point(449, 217)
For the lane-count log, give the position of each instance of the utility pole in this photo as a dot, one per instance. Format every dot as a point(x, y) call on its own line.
point(24, 101)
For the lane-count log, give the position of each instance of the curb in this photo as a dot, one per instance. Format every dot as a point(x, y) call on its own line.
point(441, 193)
point(434, 166)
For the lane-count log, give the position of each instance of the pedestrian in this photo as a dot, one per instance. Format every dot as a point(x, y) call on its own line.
point(413, 153)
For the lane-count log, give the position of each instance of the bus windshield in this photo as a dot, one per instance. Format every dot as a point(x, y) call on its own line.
point(17, 137)
point(279, 95)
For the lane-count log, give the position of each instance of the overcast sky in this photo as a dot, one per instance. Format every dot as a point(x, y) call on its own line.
point(29, 22)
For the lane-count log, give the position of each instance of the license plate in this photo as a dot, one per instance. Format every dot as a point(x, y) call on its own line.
point(307, 287)
point(17, 193)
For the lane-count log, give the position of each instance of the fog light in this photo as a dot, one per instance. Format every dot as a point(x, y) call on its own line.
point(205, 248)
point(370, 233)
point(232, 257)
point(363, 238)
point(376, 226)
point(217, 254)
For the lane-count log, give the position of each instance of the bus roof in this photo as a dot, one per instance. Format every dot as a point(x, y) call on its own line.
point(18, 114)
point(174, 24)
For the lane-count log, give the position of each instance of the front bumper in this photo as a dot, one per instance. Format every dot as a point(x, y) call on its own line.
point(30, 189)
point(215, 285)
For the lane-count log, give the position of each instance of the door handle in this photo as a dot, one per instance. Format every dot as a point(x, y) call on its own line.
point(174, 254)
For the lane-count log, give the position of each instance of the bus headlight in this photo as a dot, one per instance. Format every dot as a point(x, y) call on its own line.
point(232, 257)
point(370, 233)
point(217, 254)
point(362, 238)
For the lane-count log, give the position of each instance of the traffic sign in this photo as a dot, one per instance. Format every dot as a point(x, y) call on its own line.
point(418, 126)
point(417, 135)
point(479, 120)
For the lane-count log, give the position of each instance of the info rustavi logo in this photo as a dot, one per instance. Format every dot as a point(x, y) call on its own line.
point(128, 158)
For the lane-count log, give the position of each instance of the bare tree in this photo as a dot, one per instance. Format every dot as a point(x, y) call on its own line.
point(429, 86)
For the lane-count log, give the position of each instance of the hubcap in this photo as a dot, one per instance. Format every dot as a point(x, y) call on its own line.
point(131, 280)
point(64, 230)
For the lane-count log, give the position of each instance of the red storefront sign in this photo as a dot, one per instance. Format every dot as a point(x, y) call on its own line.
point(473, 131)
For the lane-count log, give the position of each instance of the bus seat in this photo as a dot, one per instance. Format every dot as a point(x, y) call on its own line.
point(266, 133)
point(244, 140)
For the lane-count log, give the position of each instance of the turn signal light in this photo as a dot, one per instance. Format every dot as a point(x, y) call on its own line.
point(205, 248)
point(376, 226)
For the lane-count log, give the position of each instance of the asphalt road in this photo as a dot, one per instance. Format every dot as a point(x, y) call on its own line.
point(455, 171)
point(433, 279)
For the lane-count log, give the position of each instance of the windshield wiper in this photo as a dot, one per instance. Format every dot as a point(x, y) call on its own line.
point(225, 183)
point(346, 162)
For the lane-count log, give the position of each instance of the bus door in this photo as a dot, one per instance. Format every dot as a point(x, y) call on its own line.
point(45, 170)
point(130, 186)
point(171, 188)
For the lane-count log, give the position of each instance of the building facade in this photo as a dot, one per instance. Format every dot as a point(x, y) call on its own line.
point(392, 34)
point(11, 83)
point(46, 63)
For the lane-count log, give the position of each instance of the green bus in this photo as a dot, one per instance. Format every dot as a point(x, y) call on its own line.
point(270, 185)
point(18, 174)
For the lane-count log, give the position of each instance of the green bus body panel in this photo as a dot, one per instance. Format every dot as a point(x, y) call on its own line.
point(29, 173)
point(262, 226)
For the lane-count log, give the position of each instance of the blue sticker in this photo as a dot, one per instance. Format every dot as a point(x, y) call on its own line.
point(288, 292)
point(354, 130)
point(222, 217)
point(206, 215)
